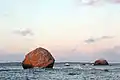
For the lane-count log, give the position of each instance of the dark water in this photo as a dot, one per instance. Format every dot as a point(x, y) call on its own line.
point(76, 71)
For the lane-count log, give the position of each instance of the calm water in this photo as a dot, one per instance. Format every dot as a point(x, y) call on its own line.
point(76, 71)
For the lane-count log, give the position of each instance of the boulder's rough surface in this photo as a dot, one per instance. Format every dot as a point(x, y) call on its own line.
point(101, 62)
point(39, 57)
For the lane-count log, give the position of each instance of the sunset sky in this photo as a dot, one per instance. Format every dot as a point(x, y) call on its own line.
point(72, 30)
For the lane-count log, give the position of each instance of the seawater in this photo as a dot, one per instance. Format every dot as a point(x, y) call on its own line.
point(76, 71)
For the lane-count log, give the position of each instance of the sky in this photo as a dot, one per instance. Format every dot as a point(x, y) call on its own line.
point(72, 30)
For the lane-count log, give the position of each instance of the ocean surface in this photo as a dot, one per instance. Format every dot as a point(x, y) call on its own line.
point(76, 71)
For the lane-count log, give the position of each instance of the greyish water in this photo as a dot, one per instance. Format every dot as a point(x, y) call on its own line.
point(76, 71)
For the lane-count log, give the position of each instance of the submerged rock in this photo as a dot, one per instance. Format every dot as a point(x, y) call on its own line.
point(106, 70)
point(66, 64)
point(39, 57)
point(101, 62)
point(72, 74)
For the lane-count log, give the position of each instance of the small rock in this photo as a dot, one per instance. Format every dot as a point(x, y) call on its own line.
point(101, 62)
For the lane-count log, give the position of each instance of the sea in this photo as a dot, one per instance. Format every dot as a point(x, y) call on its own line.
point(60, 71)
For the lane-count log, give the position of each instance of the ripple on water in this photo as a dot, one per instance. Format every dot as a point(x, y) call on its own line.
point(61, 73)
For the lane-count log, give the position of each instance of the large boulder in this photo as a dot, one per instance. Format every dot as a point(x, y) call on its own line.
point(39, 57)
point(101, 62)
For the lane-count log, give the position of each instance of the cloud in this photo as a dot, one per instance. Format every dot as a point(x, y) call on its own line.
point(24, 32)
point(94, 2)
point(92, 40)
point(106, 37)
point(89, 2)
